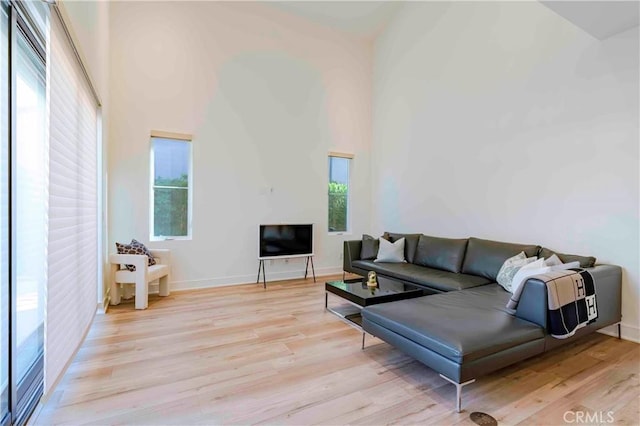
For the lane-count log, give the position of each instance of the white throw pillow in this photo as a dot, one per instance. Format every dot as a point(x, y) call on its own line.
point(527, 271)
point(553, 261)
point(391, 252)
point(510, 267)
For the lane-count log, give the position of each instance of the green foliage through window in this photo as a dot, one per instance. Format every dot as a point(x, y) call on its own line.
point(338, 203)
point(182, 181)
point(171, 207)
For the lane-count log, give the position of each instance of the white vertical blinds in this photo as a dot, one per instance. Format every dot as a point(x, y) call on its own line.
point(73, 199)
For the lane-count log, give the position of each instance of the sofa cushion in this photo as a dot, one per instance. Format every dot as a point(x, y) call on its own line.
point(485, 257)
point(369, 249)
point(410, 244)
point(434, 278)
point(585, 261)
point(461, 326)
point(440, 253)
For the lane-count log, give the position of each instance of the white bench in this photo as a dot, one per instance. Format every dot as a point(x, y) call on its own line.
point(141, 277)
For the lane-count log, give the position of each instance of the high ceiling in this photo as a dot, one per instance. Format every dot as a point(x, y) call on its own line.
point(601, 19)
point(366, 19)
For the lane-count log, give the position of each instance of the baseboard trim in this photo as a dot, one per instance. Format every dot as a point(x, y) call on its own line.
point(627, 332)
point(245, 279)
point(105, 303)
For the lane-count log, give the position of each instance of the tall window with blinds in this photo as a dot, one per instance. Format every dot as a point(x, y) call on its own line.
point(73, 204)
point(171, 188)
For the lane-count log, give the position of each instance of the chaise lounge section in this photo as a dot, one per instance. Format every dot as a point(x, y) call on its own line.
point(464, 330)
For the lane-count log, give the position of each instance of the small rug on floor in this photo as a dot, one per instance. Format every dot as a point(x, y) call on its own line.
point(483, 419)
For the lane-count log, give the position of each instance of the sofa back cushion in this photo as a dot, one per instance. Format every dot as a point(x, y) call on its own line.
point(585, 261)
point(410, 244)
point(440, 253)
point(485, 257)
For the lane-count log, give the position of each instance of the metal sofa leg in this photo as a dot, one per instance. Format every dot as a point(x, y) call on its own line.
point(458, 390)
point(363, 334)
point(619, 331)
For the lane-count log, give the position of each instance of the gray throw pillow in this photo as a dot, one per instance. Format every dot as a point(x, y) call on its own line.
point(585, 261)
point(369, 248)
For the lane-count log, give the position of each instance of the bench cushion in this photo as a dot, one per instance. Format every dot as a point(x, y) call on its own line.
point(434, 278)
point(155, 272)
point(461, 326)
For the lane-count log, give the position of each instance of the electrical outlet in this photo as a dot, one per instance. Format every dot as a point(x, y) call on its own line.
point(286, 261)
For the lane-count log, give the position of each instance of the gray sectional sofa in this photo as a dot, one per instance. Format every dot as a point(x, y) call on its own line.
point(462, 329)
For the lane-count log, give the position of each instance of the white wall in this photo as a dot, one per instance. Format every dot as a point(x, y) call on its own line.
point(504, 121)
point(89, 22)
point(266, 96)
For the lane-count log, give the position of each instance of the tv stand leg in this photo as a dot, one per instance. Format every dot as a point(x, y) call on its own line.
point(264, 275)
point(313, 269)
point(306, 268)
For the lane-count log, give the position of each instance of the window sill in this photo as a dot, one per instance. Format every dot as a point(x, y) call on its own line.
point(347, 233)
point(153, 239)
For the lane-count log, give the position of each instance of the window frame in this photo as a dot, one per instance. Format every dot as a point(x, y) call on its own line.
point(348, 157)
point(175, 137)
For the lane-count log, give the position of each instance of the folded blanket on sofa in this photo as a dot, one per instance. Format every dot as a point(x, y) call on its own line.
point(571, 301)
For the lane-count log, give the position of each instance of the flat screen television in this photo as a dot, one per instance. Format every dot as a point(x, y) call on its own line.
point(286, 240)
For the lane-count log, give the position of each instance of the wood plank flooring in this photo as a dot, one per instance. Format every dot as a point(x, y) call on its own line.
point(244, 355)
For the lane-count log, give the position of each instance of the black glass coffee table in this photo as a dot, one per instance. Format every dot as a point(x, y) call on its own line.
point(357, 295)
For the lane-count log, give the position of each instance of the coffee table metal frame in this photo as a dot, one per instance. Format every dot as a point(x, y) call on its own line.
point(344, 318)
point(417, 292)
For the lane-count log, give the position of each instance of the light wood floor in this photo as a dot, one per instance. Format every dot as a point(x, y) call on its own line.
point(241, 355)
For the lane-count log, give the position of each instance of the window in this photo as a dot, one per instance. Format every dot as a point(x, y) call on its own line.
point(24, 206)
point(339, 192)
point(31, 210)
point(171, 183)
point(5, 318)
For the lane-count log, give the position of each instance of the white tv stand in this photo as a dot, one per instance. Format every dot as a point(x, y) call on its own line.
point(306, 266)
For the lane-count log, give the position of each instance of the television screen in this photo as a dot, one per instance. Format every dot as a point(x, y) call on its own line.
point(286, 240)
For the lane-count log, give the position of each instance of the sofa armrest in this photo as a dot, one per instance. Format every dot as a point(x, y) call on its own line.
point(162, 256)
point(608, 285)
point(351, 252)
point(533, 302)
point(140, 261)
